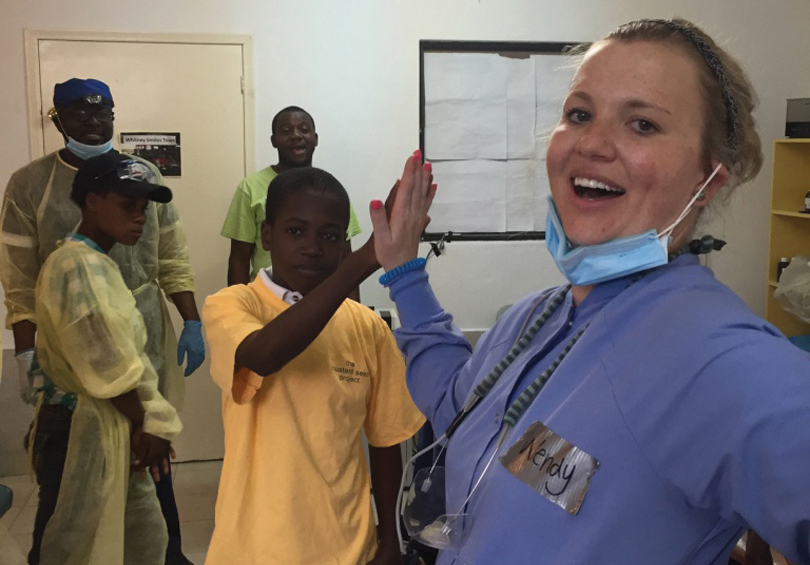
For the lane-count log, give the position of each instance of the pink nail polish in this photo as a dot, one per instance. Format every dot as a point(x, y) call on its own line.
point(418, 154)
point(376, 204)
point(429, 167)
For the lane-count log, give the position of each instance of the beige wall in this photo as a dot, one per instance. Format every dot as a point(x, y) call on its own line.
point(354, 66)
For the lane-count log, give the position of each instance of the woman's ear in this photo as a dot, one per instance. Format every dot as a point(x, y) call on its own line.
point(718, 181)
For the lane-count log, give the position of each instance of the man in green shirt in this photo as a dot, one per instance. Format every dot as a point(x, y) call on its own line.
point(295, 139)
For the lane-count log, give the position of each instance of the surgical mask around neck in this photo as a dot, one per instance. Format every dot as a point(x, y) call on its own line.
point(82, 150)
point(85, 152)
point(592, 264)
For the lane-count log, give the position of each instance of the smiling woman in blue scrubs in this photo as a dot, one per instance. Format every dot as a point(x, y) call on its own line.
point(648, 416)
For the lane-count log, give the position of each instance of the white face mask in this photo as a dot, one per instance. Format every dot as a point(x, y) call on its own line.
point(82, 150)
point(85, 152)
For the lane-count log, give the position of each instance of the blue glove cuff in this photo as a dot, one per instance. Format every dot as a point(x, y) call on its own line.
point(192, 324)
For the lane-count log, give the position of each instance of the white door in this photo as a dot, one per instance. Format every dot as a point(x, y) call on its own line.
point(174, 84)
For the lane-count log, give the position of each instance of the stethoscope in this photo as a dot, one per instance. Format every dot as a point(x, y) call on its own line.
point(441, 533)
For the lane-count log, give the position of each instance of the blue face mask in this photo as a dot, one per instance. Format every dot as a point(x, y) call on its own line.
point(592, 264)
point(84, 151)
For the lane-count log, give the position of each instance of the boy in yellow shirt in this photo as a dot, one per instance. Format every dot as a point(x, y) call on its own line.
point(304, 372)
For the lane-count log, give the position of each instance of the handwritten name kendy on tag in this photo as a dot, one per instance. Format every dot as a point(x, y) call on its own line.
point(536, 453)
point(551, 466)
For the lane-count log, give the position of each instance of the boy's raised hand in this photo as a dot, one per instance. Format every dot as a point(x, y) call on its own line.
point(397, 230)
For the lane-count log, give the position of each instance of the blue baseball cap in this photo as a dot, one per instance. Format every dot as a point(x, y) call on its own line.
point(76, 89)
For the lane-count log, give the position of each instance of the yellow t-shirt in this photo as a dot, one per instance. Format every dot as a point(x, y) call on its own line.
point(295, 486)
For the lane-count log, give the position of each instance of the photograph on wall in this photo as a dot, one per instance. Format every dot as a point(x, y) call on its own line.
point(161, 149)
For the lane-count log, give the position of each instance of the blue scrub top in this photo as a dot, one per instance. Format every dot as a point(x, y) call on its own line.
point(697, 410)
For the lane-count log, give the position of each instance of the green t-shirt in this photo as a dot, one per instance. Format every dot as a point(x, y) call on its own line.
point(246, 214)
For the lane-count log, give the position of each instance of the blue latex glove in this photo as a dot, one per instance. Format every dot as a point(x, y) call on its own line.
point(191, 344)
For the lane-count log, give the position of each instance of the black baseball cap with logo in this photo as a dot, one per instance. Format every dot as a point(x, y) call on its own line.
point(116, 172)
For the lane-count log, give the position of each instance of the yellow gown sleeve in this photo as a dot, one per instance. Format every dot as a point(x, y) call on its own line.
point(102, 356)
point(160, 417)
point(90, 320)
point(174, 266)
point(19, 250)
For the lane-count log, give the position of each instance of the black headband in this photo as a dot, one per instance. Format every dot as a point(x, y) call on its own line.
point(717, 69)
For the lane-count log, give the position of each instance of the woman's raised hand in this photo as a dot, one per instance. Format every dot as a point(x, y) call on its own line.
point(398, 225)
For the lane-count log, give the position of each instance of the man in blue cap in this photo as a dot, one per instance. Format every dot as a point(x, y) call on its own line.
point(37, 212)
point(83, 114)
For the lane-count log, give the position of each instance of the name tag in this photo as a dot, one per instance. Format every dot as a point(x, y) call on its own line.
point(551, 466)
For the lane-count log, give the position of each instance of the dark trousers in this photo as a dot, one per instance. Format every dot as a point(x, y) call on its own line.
point(168, 507)
point(49, 454)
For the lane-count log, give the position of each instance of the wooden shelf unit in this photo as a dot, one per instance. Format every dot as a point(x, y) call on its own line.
point(790, 229)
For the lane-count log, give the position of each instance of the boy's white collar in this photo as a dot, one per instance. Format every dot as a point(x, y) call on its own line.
point(288, 296)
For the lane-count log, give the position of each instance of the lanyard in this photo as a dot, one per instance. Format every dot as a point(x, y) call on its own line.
point(512, 415)
point(84, 239)
point(518, 407)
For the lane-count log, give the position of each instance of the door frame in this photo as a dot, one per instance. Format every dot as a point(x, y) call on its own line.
point(37, 113)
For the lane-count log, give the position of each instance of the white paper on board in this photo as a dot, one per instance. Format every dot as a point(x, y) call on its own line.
point(465, 106)
point(487, 121)
point(472, 196)
point(541, 191)
point(465, 129)
point(521, 108)
point(526, 193)
point(553, 74)
point(464, 76)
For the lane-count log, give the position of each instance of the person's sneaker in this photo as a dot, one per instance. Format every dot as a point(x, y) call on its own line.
point(178, 559)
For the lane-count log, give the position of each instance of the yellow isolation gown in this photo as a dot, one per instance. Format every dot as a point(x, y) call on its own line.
point(37, 212)
point(90, 341)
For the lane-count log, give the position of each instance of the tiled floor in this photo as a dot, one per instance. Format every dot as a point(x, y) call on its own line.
point(195, 488)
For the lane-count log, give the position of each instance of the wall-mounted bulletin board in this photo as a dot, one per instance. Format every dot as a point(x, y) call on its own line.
point(486, 109)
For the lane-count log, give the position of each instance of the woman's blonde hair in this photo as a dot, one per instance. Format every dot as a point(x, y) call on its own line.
point(730, 135)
